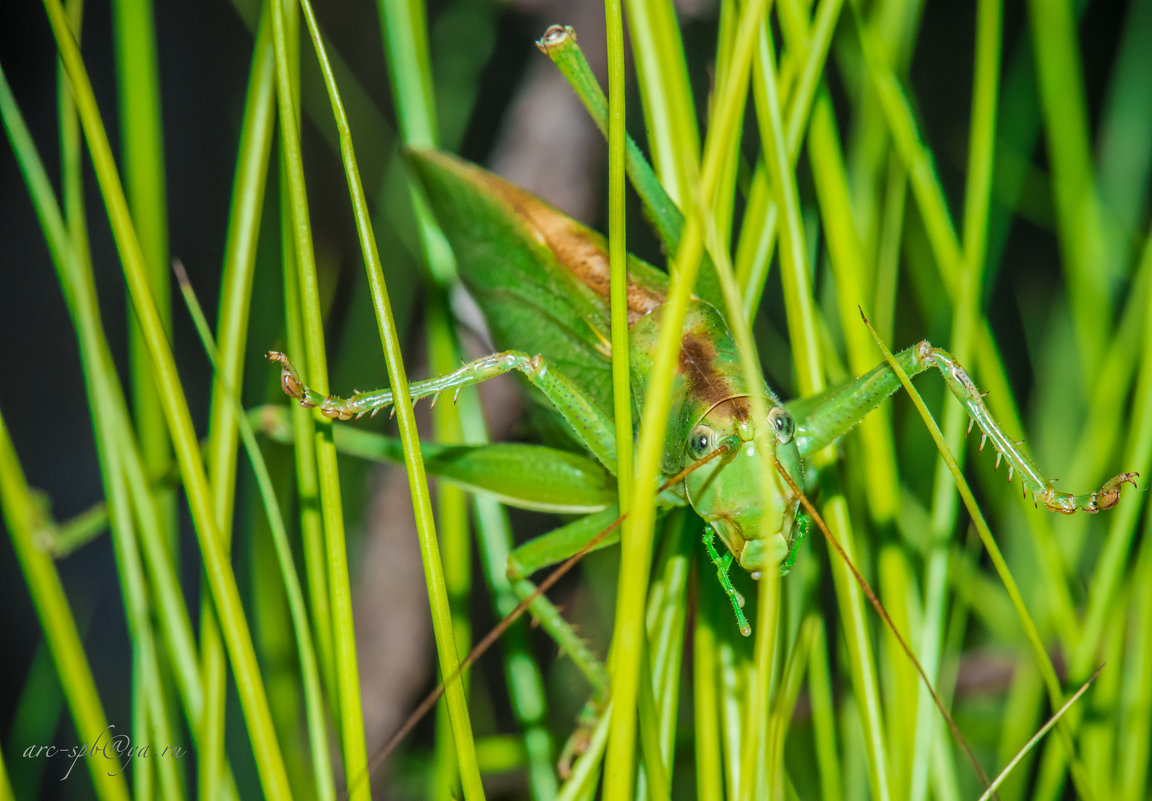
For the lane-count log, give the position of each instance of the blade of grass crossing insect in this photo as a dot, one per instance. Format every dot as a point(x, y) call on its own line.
point(406, 38)
point(222, 581)
point(621, 376)
point(441, 614)
point(723, 137)
point(618, 258)
point(977, 201)
point(801, 324)
point(347, 700)
point(636, 550)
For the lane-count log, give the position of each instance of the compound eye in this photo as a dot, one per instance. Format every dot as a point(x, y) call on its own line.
point(700, 441)
point(783, 424)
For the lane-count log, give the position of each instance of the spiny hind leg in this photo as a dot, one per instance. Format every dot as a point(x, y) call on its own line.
point(1019, 463)
point(545, 551)
point(830, 415)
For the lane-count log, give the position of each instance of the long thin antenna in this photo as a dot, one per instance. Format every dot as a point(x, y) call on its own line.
point(880, 610)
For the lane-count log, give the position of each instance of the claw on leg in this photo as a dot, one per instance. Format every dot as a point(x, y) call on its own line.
point(1104, 498)
point(331, 407)
point(1109, 495)
point(289, 380)
point(578, 743)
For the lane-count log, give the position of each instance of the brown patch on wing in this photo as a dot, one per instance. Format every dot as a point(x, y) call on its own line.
point(575, 246)
point(705, 382)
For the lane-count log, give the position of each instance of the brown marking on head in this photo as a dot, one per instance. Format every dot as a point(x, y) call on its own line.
point(705, 383)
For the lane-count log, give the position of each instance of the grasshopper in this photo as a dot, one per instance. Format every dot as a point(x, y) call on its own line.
point(558, 276)
point(544, 291)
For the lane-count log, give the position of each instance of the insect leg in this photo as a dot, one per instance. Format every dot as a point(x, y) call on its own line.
point(588, 422)
point(831, 414)
point(550, 549)
point(722, 564)
point(1042, 489)
point(545, 551)
point(803, 523)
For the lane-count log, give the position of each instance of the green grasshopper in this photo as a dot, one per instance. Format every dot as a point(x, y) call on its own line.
point(542, 280)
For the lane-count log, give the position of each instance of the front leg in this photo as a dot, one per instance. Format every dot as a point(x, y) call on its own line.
point(589, 423)
point(828, 416)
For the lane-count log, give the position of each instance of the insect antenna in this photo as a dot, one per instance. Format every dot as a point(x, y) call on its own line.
point(880, 610)
point(478, 650)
